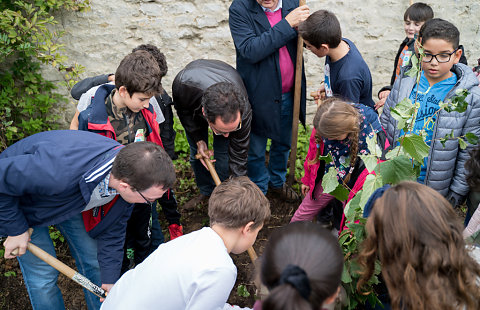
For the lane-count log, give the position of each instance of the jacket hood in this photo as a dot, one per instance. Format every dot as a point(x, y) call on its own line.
point(466, 77)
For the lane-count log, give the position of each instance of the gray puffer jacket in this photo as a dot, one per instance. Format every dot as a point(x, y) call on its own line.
point(445, 165)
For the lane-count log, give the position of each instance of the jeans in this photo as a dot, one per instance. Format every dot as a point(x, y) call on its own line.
point(157, 234)
point(41, 279)
point(203, 178)
point(276, 172)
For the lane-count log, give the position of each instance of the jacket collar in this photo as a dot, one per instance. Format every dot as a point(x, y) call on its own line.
point(260, 17)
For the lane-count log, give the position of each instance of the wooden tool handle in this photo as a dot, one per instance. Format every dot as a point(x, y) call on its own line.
point(211, 168)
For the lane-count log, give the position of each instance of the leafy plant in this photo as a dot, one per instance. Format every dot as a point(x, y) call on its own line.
point(55, 235)
point(242, 291)
point(10, 273)
point(27, 39)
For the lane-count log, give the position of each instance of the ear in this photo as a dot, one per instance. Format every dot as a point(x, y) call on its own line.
point(248, 228)
point(122, 186)
point(457, 54)
point(123, 91)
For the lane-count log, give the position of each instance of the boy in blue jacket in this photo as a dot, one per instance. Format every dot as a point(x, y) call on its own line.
point(442, 75)
point(346, 73)
point(52, 178)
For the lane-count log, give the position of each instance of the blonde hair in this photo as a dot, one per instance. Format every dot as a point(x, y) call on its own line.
point(333, 119)
point(417, 236)
point(236, 202)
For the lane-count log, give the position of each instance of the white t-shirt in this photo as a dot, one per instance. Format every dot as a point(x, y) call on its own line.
point(86, 99)
point(192, 272)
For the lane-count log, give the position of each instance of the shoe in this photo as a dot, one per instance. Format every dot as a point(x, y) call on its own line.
point(285, 192)
point(175, 231)
point(192, 203)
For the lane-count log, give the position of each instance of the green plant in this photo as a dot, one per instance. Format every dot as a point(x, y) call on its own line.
point(10, 273)
point(55, 235)
point(28, 38)
point(242, 291)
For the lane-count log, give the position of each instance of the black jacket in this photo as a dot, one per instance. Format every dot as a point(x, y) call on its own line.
point(187, 91)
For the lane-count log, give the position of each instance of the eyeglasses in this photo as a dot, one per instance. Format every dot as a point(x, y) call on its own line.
point(150, 203)
point(441, 58)
point(220, 133)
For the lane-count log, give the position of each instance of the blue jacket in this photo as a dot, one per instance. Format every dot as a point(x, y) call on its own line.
point(257, 45)
point(49, 177)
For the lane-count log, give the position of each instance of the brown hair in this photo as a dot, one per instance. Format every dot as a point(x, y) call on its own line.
point(418, 12)
point(472, 166)
point(313, 249)
point(139, 73)
point(322, 27)
point(236, 202)
point(157, 55)
point(143, 165)
point(334, 118)
point(417, 236)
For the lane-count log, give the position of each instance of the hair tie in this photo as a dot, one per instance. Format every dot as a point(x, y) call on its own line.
point(296, 277)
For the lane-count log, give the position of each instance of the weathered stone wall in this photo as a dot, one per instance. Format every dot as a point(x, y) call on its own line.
point(192, 29)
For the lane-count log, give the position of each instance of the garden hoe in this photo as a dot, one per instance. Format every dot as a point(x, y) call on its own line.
point(262, 290)
point(64, 269)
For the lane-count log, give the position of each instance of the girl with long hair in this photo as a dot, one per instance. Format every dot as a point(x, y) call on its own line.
point(414, 232)
point(341, 130)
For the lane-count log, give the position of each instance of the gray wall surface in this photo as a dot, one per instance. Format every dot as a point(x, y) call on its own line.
point(191, 29)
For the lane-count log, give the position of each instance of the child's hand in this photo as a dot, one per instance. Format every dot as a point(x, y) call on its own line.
point(319, 94)
point(305, 189)
point(383, 97)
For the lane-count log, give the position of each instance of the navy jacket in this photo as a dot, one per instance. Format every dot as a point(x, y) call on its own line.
point(257, 45)
point(49, 177)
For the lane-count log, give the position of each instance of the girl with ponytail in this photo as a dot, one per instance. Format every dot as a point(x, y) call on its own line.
point(302, 267)
point(340, 129)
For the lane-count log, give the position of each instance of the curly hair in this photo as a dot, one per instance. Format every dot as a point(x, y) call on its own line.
point(473, 169)
point(334, 118)
point(417, 236)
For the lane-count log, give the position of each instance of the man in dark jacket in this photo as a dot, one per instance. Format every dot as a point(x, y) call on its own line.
point(210, 93)
point(266, 44)
point(52, 177)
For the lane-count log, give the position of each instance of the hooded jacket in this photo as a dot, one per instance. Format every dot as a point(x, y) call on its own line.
point(445, 165)
point(49, 177)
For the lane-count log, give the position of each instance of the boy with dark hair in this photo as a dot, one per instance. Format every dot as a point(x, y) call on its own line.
point(122, 112)
point(442, 75)
point(52, 178)
point(346, 73)
point(195, 271)
point(414, 17)
point(162, 105)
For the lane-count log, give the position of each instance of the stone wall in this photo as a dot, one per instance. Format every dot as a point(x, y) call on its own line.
point(192, 29)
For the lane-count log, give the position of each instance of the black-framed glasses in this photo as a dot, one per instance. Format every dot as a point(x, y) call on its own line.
point(150, 203)
point(220, 133)
point(441, 58)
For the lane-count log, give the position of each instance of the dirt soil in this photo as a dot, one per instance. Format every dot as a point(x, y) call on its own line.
point(13, 294)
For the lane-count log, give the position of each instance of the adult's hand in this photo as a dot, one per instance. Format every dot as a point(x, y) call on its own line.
point(16, 242)
point(107, 288)
point(203, 150)
point(295, 17)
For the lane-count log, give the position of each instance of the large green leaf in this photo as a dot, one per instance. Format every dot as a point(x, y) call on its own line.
point(471, 138)
point(370, 161)
point(328, 158)
point(353, 206)
point(415, 146)
point(397, 151)
point(372, 182)
point(402, 112)
point(396, 170)
point(340, 192)
point(346, 278)
point(330, 181)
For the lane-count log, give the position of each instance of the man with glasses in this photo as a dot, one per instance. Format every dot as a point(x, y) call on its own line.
point(56, 178)
point(210, 94)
